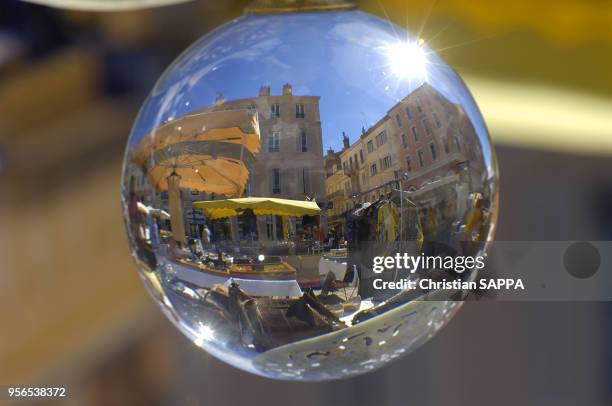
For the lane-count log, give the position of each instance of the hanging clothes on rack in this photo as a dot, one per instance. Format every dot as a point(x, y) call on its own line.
point(388, 221)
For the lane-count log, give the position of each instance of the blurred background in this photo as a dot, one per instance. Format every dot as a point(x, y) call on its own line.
point(72, 308)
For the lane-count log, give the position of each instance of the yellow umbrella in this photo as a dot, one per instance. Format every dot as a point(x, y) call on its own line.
point(211, 152)
point(208, 152)
point(261, 206)
point(231, 126)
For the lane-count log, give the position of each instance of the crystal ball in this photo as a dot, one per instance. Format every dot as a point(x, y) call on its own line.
point(276, 161)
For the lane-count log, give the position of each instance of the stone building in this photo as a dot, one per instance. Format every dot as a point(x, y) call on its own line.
point(382, 166)
point(351, 166)
point(338, 199)
point(290, 164)
point(436, 138)
point(425, 144)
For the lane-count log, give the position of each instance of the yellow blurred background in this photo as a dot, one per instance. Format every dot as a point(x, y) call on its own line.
point(74, 312)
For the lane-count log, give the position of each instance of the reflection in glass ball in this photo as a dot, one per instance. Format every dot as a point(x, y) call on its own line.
point(270, 166)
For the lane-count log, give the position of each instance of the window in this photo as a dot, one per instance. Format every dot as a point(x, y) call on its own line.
point(363, 178)
point(408, 165)
point(427, 126)
point(344, 166)
point(381, 138)
point(275, 110)
point(302, 142)
point(446, 149)
point(373, 169)
point(361, 156)
point(252, 108)
point(305, 180)
point(351, 162)
point(421, 158)
point(419, 108)
point(415, 134)
point(385, 163)
point(399, 120)
point(404, 140)
point(437, 120)
point(299, 111)
point(276, 181)
point(274, 142)
point(432, 148)
point(370, 147)
point(408, 113)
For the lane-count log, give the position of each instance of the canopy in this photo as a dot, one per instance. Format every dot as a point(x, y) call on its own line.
point(231, 126)
point(210, 151)
point(261, 206)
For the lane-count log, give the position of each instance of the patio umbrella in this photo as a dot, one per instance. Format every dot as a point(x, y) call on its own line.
point(211, 151)
point(207, 166)
point(261, 206)
point(239, 127)
point(208, 152)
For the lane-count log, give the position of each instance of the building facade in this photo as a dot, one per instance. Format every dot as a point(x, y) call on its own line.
point(426, 145)
point(436, 138)
point(382, 167)
point(337, 197)
point(290, 164)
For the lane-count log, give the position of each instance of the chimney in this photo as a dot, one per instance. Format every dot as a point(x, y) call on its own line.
point(264, 91)
point(287, 89)
point(345, 140)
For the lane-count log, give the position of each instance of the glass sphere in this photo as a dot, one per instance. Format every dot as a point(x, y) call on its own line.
point(275, 161)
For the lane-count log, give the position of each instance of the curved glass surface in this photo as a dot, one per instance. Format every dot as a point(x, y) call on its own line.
point(271, 167)
point(105, 4)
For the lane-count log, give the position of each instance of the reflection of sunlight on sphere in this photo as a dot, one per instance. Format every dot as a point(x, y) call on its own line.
point(270, 165)
point(407, 60)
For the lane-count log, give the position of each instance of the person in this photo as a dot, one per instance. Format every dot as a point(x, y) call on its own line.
point(206, 235)
point(332, 240)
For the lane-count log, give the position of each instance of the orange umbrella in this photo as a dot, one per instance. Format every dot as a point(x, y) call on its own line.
point(211, 152)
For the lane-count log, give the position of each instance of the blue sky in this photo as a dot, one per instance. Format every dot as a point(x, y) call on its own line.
point(342, 57)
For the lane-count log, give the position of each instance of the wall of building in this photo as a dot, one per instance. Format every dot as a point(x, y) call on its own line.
point(302, 170)
point(424, 139)
point(435, 136)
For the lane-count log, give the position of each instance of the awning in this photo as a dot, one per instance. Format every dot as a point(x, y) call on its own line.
point(261, 206)
point(211, 152)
